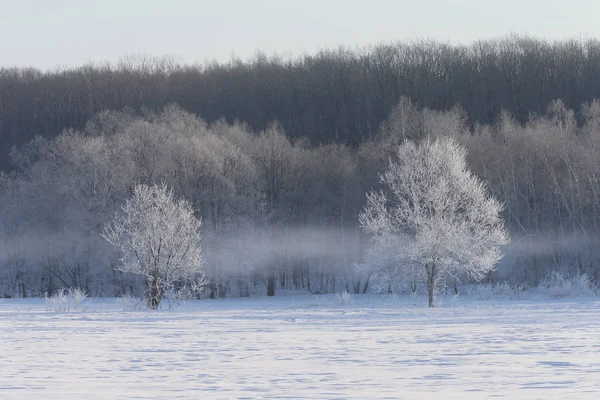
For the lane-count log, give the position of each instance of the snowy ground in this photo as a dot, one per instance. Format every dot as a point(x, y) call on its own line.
point(303, 346)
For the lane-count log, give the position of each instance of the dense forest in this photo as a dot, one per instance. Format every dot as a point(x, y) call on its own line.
point(337, 96)
point(276, 157)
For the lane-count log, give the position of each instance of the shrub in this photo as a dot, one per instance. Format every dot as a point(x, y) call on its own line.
point(66, 300)
point(343, 299)
point(559, 286)
point(130, 303)
point(502, 290)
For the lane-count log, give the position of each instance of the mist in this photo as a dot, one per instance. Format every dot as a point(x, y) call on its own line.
point(282, 210)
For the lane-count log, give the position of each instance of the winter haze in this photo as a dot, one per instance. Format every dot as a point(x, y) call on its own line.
point(267, 199)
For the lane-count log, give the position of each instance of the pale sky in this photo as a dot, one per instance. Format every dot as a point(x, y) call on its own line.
point(51, 33)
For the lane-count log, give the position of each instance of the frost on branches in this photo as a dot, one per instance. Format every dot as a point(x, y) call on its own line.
point(437, 215)
point(385, 269)
point(158, 237)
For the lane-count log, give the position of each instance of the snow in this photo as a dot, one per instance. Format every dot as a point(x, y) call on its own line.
point(303, 346)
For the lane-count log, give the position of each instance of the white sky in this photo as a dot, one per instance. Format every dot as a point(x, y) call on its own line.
point(50, 33)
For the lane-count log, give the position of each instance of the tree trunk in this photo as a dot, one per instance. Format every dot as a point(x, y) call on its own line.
point(213, 291)
point(431, 283)
point(431, 292)
point(271, 286)
point(154, 299)
point(365, 287)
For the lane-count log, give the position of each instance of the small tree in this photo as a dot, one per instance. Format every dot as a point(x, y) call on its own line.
point(440, 213)
point(158, 237)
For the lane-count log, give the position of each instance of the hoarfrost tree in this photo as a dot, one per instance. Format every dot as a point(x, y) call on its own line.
point(385, 269)
point(440, 211)
point(159, 238)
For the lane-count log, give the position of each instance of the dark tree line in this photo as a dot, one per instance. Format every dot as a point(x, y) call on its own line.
point(332, 96)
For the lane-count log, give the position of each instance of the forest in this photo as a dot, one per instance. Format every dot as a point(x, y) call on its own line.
point(336, 95)
point(276, 157)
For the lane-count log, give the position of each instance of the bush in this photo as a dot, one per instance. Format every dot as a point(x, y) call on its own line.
point(343, 299)
point(502, 290)
point(130, 303)
point(559, 286)
point(66, 300)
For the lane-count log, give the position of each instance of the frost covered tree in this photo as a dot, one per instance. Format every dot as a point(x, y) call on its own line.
point(385, 269)
point(440, 213)
point(158, 237)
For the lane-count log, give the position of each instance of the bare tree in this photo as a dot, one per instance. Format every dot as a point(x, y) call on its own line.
point(452, 227)
point(158, 237)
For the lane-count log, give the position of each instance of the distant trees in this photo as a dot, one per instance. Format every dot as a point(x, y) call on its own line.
point(544, 174)
point(280, 212)
point(337, 95)
point(437, 215)
point(262, 197)
point(158, 237)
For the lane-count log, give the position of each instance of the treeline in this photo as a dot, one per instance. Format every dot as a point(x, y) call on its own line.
point(282, 212)
point(271, 207)
point(338, 96)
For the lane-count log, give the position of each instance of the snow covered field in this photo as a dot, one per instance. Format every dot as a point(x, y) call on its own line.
point(303, 346)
